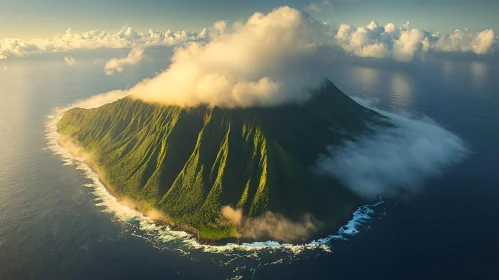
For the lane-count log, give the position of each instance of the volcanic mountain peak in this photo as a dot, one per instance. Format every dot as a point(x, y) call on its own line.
point(189, 163)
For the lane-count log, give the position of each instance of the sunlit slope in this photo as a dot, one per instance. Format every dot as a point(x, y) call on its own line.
point(192, 162)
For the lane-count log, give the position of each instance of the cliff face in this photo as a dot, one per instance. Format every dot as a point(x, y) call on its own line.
point(190, 162)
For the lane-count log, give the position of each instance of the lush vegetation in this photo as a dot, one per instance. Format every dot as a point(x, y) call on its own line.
point(190, 162)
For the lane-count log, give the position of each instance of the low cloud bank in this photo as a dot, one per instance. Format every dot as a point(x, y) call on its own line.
point(126, 37)
point(405, 44)
point(395, 159)
point(271, 225)
point(373, 40)
point(118, 64)
point(100, 99)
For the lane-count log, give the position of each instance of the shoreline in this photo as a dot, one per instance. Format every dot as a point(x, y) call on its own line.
point(191, 231)
point(324, 234)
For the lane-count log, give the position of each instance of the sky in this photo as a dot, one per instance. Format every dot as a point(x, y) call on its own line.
point(403, 31)
point(28, 19)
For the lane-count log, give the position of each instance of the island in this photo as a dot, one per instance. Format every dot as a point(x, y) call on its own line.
point(211, 171)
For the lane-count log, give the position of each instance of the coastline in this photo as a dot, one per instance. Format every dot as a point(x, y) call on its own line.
point(324, 234)
point(320, 236)
point(204, 232)
point(359, 215)
point(191, 231)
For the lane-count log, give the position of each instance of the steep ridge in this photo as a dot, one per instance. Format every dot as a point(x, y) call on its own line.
point(190, 162)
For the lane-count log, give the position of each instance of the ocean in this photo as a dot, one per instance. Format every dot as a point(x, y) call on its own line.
point(57, 221)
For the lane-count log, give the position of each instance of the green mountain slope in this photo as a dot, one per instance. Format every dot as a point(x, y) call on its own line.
point(189, 163)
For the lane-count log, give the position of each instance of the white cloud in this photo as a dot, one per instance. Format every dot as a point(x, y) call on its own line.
point(203, 33)
point(118, 64)
point(394, 159)
point(95, 39)
point(318, 7)
point(271, 59)
point(70, 61)
point(389, 41)
point(314, 7)
point(464, 41)
point(218, 29)
point(404, 44)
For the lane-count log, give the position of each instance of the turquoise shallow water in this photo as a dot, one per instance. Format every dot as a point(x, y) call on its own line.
point(53, 226)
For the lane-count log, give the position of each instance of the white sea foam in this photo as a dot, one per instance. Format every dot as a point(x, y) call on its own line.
point(154, 232)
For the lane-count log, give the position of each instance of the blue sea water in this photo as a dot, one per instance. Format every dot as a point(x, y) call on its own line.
point(54, 224)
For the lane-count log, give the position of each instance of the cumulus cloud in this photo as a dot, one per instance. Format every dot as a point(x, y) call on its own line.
point(275, 58)
point(70, 61)
point(395, 159)
point(464, 41)
point(126, 37)
point(389, 41)
point(118, 64)
point(318, 7)
point(218, 29)
point(404, 44)
point(271, 59)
